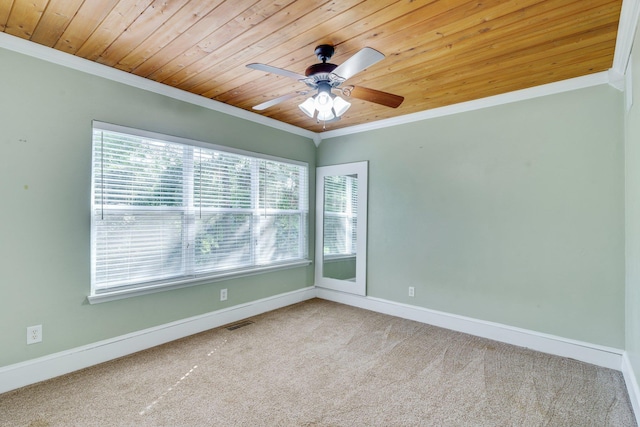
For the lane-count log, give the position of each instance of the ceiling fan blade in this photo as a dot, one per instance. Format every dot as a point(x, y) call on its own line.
point(376, 96)
point(364, 58)
point(278, 100)
point(276, 70)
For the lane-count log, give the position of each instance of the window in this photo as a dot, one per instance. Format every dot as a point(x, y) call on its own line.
point(168, 211)
point(340, 215)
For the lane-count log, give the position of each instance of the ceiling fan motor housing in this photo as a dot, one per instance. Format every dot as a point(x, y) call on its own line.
point(322, 73)
point(322, 68)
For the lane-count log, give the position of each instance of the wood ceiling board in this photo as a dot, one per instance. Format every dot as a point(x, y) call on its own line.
point(445, 51)
point(438, 52)
point(223, 34)
point(54, 21)
point(179, 23)
point(572, 50)
point(520, 76)
point(83, 24)
point(155, 19)
point(226, 42)
point(473, 56)
point(114, 24)
point(188, 39)
point(24, 17)
point(5, 11)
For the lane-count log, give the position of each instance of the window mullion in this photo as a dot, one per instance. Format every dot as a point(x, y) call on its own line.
point(255, 209)
point(303, 186)
point(189, 217)
point(348, 217)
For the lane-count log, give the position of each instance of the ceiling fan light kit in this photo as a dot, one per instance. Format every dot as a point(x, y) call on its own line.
point(326, 78)
point(323, 101)
point(328, 105)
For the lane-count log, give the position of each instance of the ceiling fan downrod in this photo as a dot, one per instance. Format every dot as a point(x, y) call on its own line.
point(324, 52)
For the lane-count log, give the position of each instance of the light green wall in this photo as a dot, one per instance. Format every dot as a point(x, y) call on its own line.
point(340, 268)
point(632, 193)
point(512, 214)
point(45, 157)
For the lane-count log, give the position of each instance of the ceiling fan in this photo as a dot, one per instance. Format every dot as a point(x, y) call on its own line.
point(327, 78)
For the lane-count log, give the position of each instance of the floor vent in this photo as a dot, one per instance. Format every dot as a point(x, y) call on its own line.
point(239, 325)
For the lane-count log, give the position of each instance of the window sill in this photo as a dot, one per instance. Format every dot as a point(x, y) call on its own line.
point(144, 290)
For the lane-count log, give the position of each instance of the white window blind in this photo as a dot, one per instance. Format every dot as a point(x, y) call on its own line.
point(166, 211)
point(340, 218)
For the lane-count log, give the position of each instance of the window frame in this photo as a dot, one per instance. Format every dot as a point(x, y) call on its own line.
point(108, 294)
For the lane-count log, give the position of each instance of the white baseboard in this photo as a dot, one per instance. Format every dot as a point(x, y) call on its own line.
point(50, 366)
point(632, 385)
point(586, 352)
point(53, 365)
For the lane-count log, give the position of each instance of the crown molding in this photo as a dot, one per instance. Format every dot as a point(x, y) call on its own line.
point(506, 98)
point(48, 54)
point(628, 23)
point(616, 79)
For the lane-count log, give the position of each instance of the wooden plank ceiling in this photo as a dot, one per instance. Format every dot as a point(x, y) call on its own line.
point(438, 52)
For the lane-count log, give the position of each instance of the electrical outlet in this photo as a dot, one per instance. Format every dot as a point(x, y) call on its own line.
point(412, 291)
point(34, 334)
point(223, 294)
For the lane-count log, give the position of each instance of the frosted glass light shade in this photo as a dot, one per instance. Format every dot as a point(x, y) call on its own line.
point(340, 106)
point(325, 116)
point(308, 107)
point(323, 101)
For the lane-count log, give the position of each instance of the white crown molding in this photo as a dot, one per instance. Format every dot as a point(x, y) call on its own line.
point(616, 79)
point(627, 26)
point(48, 54)
point(505, 98)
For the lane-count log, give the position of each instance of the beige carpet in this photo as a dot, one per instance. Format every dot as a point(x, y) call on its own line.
point(320, 363)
